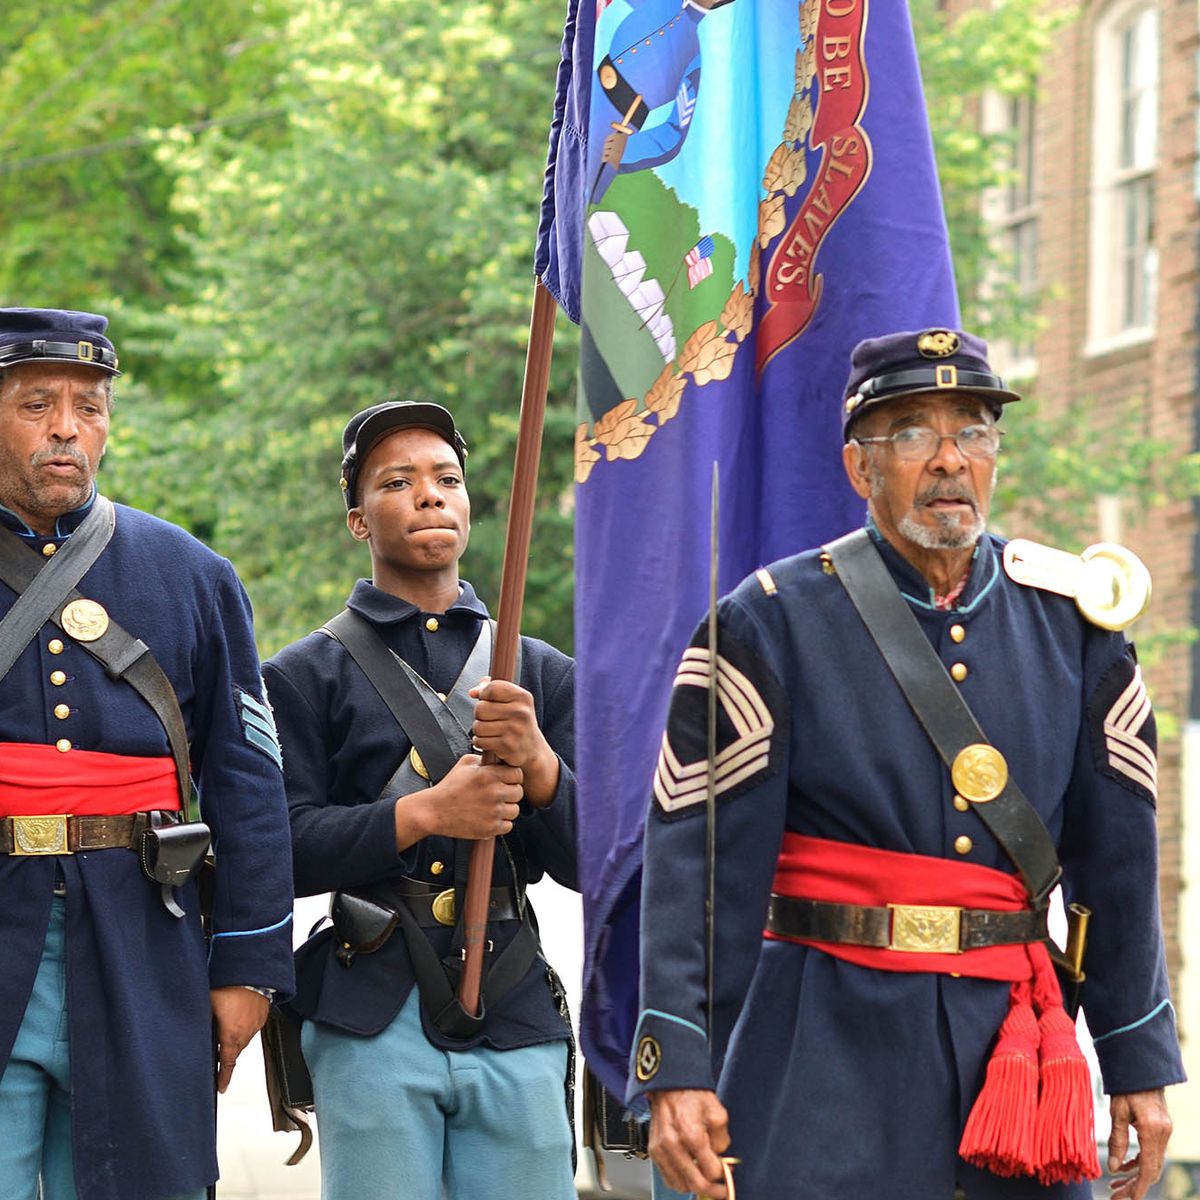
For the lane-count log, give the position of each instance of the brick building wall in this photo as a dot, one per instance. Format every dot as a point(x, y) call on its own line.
point(1159, 373)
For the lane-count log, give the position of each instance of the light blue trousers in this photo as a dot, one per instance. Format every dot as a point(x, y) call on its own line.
point(35, 1089)
point(400, 1119)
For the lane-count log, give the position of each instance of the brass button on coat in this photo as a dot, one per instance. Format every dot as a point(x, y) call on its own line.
point(957, 633)
point(58, 678)
point(961, 804)
point(62, 745)
point(62, 711)
point(431, 623)
point(958, 672)
point(49, 549)
point(55, 646)
point(963, 844)
point(436, 868)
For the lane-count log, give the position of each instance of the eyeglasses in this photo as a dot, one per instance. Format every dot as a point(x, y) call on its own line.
point(919, 443)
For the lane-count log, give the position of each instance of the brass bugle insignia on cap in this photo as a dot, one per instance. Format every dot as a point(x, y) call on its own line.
point(84, 620)
point(1109, 584)
point(937, 343)
point(979, 772)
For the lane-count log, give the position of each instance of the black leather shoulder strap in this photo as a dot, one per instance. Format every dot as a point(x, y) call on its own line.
point(433, 736)
point(122, 655)
point(42, 585)
point(939, 705)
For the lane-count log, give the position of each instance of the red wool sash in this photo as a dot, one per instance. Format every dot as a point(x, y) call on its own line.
point(38, 780)
point(1033, 1115)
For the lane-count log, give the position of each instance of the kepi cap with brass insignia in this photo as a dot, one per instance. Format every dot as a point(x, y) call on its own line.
point(917, 361)
point(366, 428)
point(55, 335)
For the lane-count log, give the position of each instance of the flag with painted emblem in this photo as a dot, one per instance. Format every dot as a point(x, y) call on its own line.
point(737, 192)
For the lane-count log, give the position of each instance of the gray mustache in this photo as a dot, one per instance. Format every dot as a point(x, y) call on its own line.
point(945, 491)
point(64, 450)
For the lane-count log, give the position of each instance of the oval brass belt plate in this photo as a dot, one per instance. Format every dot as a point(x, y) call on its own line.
point(443, 907)
point(979, 772)
point(84, 620)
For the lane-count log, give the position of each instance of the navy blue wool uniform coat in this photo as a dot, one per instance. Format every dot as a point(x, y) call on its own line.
point(841, 1080)
point(341, 745)
point(138, 978)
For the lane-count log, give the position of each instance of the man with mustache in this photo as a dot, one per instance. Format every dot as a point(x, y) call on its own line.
point(130, 677)
point(382, 716)
point(921, 731)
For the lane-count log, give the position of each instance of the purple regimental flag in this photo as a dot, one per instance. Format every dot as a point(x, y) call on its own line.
point(789, 135)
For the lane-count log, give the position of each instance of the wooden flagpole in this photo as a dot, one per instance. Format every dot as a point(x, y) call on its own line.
point(508, 621)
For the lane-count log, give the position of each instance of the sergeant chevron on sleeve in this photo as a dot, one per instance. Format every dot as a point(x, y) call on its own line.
point(130, 678)
point(922, 730)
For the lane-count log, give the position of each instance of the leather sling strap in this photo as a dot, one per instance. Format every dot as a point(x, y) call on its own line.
point(438, 737)
point(939, 705)
point(122, 655)
point(436, 734)
point(49, 587)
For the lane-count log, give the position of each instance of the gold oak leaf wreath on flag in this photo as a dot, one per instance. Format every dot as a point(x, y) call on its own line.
point(624, 431)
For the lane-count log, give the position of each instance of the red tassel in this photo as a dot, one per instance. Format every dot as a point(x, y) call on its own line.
point(999, 1136)
point(1065, 1132)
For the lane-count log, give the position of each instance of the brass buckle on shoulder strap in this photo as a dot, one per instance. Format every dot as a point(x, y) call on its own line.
point(40, 835)
point(925, 928)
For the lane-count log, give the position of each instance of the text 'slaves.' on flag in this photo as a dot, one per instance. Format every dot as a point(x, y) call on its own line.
point(784, 144)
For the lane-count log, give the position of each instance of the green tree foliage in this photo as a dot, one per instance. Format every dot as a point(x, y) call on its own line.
point(380, 246)
point(295, 210)
point(84, 200)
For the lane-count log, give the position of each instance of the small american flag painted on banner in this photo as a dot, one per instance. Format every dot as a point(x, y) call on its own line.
point(699, 261)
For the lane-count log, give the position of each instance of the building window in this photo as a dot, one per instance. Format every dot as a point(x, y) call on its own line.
point(1124, 268)
point(1012, 214)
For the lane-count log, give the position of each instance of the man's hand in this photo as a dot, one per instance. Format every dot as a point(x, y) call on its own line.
point(689, 1129)
point(472, 801)
point(1147, 1113)
point(506, 724)
point(239, 1014)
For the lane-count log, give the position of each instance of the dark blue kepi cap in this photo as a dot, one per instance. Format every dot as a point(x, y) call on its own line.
point(55, 335)
point(365, 428)
point(911, 363)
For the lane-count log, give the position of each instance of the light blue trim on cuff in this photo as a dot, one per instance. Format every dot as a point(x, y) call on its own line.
point(1127, 1028)
point(654, 1012)
point(251, 932)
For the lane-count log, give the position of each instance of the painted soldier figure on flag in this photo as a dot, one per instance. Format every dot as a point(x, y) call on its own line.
point(921, 730)
point(650, 78)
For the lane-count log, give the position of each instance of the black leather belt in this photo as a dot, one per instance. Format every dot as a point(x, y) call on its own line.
point(432, 906)
point(67, 833)
point(917, 928)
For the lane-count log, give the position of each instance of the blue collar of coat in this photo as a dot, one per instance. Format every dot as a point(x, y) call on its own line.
point(383, 608)
point(985, 570)
point(63, 527)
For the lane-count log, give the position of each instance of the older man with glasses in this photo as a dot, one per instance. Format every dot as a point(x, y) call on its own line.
point(922, 730)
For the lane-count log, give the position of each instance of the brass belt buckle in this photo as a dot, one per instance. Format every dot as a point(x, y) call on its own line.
point(40, 835)
point(925, 928)
point(443, 907)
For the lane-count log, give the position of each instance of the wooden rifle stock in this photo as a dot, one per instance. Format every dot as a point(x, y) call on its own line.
point(508, 620)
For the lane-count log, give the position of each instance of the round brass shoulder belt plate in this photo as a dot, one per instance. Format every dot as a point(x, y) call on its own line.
point(84, 620)
point(979, 772)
